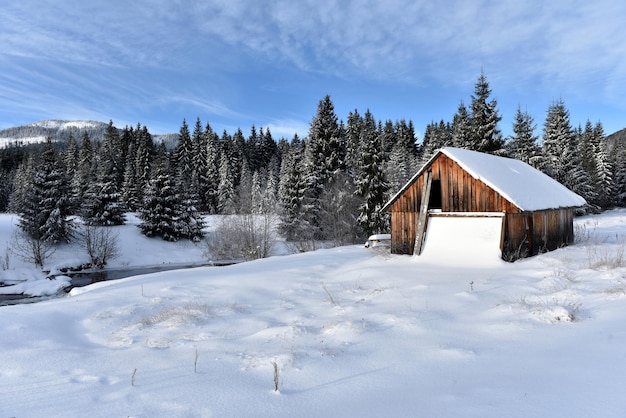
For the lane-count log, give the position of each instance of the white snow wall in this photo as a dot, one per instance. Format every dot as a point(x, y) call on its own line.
point(463, 239)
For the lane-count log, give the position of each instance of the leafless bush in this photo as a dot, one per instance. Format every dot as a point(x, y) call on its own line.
point(246, 237)
point(581, 233)
point(302, 246)
point(31, 249)
point(602, 256)
point(6, 259)
point(101, 245)
point(520, 252)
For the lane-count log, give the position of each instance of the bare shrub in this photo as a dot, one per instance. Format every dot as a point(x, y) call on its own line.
point(602, 256)
point(6, 259)
point(302, 246)
point(581, 233)
point(242, 237)
point(101, 245)
point(31, 249)
point(513, 255)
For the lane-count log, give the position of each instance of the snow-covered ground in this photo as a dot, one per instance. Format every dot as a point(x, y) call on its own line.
point(352, 332)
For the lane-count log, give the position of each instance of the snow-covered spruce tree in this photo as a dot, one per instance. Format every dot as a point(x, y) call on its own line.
point(235, 153)
point(485, 117)
point(353, 138)
point(523, 144)
point(45, 205)
point(188, 221)
point(70, 161)
point(143, 160)
point(462, 129)
point(436, 136)
point(212, 169)
point(158, 212)
point(113, 153)
point(84, 174)
point(22, 184)
point(225, 189)
point(103, 204)
point(183, 156)
point(199, 163)
point(403, 161)
point(130, 194)
point(604, 174)
point(325, 154)
point(620, 173)
point(291, 194)
point(561, 158)
point(371, 184)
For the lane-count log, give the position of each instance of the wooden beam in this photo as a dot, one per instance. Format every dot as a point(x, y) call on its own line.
point(422, 218)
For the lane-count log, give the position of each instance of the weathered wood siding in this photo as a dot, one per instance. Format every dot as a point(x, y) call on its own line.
point(525, 233)
point(530, 233)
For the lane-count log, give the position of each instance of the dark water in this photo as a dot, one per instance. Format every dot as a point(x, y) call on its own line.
point(86, 278)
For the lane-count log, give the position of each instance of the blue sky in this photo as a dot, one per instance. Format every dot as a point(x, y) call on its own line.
point(268, 63)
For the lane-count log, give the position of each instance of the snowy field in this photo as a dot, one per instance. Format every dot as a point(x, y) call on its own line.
point(352, 332)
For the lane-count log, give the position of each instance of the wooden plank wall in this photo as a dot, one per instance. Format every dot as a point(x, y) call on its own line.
point(460, 192)
point(539, 231)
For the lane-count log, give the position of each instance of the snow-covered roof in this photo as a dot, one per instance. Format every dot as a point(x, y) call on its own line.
point(519, 183)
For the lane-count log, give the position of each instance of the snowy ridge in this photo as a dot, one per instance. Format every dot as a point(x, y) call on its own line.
point(59, 130)
point(5, 142)
point(66, 124)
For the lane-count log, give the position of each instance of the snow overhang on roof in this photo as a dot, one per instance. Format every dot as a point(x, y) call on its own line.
point(526, 187)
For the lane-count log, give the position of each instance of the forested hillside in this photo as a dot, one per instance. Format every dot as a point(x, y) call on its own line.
point(329, 185)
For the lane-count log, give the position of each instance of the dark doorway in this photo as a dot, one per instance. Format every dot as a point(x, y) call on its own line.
point(434, 201)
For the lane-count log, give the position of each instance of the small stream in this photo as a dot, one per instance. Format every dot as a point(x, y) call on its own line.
point(84, 278)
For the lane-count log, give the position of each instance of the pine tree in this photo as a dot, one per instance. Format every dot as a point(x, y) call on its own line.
point(620, 174)
point(371, 184)
point(183, 155)
point(45, 206)
point(188, 220)
point(462, 129)
point(436, 136)
point(561, 153)
point(293, 226)
point(130, 194)
point(113, 153)
point(103, 204)
point(84, 172)
point(485, 117)
point(324, 155)
point(212, 169)
point(143, 159)
point(523, 145)
point(22, 185)
point(225, 189)
point(158, 213)
point(353, 138)
point(199, 161)
point(603, 176)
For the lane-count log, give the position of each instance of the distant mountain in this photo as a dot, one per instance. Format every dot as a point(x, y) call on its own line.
point(60, 130)
point(615, 137)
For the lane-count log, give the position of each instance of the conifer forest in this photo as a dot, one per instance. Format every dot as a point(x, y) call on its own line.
point(327, 186)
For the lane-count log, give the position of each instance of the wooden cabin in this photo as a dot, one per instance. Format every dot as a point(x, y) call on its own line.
point(538, 211)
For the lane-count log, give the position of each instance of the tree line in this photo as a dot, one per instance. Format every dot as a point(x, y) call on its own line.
point(329, 185)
